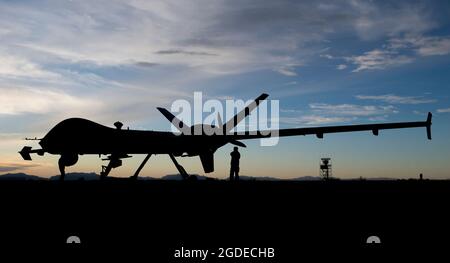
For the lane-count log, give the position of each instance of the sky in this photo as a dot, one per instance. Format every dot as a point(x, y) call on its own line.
point(327, 62)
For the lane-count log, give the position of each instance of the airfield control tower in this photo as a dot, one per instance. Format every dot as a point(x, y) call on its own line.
point(325, 168)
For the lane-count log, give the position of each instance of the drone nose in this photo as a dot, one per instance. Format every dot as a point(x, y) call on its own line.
point(43, 143)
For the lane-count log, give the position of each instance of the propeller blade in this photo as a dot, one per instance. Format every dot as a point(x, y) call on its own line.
point(182, 127)
point(244, 113)
point(219, 120)
point(238, 143)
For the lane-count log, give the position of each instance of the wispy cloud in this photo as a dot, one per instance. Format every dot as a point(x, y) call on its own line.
point(184, 52)
point(417, 112)
point(20, 67)
point(288, 70)
point(401, 50)
point(89, 57)
point(35, 101)
point(314, 120)
point(11, 167)
point(327, 56)
point(352, 109)
point(341, 66)
point(434, 46)
point(145, 64)
point(423, 45)
point(378, 118)
point(394, 99)
point(217, 37)
point(290, 111)
point(323, 113)
point(378, 59)
point(387, 19)
point(443, 110)
point(290, 83)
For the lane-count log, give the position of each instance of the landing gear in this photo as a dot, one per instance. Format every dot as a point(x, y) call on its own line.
point(180, 168)
point(66, 159)
point(62, 169)
point(135, 176)
point(115, 161)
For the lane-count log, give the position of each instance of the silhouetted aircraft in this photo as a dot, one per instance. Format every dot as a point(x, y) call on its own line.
point(75, 136)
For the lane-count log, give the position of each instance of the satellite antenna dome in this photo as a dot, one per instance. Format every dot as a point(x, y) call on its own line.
point(118, 125)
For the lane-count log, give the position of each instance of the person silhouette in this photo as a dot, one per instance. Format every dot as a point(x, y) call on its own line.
point(234, 170)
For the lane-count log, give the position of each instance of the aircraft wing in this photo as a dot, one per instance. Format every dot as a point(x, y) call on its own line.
point(181, 126)
point(320, 131)
point(244, 113)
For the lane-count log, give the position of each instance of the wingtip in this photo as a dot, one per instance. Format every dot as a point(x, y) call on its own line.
point(428, 125)
point(163, 111)
point(264, 95)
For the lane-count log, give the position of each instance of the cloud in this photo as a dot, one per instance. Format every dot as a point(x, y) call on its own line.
point(287, 71)
point(388, 18)
point(394, 99)
point(378, 59)
point(327, 56)
point(314, 120)
point(290, 83)
point(352, 109)
point(378, 118)
point(322, 113)
point(290, 111)
point(394, 53)
point(423, 45)
point(419, 112)
point(18, 67)
point(434, 46)
point(38, 101)
point(443, 110)
point(112, 33)
point(216, 37)
point(341, 66)
point(11, 167)
point(184, 52)
point(88, 57)
point(145, 64)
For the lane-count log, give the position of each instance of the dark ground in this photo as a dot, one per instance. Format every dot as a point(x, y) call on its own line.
point(160, 216)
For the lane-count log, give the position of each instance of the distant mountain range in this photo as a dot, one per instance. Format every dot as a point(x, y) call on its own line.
point(69, 177)
point(77, 177)
point(20, 176)
point(170, 177)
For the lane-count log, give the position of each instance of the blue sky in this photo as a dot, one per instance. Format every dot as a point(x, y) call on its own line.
point(327, 62)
